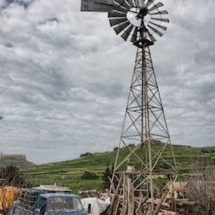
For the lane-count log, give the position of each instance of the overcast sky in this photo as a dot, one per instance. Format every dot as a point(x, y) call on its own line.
point(65, 77)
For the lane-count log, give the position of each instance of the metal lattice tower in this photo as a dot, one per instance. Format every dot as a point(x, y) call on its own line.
point(145, 152)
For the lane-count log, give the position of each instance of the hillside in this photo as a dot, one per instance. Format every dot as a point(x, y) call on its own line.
point(18, 160)
point(71, 172)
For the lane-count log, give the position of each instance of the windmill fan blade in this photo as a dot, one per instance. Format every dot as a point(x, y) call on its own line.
point(151, 37)
point(156, 6)
point(122, 3)
point(149, 2)
point(121, 27)
point(161, 19)
point(120, 9)
point(155, 30)
point(131, 3)
point(159, 26)
point(116, 21)
point(134, 35)
point(159, 12)
point(116, 14)
point(135, 3)
point(127, 32)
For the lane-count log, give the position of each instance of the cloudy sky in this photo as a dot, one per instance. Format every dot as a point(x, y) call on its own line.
point(65, 76)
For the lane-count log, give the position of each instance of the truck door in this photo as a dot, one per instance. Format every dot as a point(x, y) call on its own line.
point(41, 206)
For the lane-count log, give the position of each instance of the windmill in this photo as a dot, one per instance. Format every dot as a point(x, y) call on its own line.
point(145, 157)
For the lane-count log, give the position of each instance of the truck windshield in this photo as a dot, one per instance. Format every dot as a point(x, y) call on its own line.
point(55, 204)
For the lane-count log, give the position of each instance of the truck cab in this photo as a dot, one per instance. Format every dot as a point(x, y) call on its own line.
point(56, 203)
point(35, 203)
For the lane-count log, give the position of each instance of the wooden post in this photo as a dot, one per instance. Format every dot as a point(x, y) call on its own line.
point(163, 197)
point(89, 209)
point(130, 197)
point(125, 197)
point(112, 205)
point(115, 199)
point(140, 208)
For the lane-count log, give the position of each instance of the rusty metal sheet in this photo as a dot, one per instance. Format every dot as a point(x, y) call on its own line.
point(97, 5)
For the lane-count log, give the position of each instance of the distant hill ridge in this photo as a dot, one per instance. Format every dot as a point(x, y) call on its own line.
point(18, 160)
point(13, 156)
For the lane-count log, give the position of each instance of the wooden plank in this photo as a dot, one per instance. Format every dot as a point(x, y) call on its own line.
point(163, 197)
point(130, 197)
point(125, 197)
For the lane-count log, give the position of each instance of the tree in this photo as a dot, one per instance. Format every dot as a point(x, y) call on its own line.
point(105, 178)
point(107, 175)
point(12, 176)
point(7, 196)
point(202, 189)
point(11, 182)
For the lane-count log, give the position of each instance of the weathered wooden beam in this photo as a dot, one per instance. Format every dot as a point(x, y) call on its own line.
point(140, 207)
point(115, 199)
point(112, 205)
point(130, 197)
point(157, 209)
point(125, 197)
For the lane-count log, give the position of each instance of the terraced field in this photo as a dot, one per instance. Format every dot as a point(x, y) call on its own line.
point(72, 173)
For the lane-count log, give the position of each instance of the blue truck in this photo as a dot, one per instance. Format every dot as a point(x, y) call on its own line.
point(40, 202)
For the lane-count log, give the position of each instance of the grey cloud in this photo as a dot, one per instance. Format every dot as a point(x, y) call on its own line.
point(24, 3)
point(65, 77)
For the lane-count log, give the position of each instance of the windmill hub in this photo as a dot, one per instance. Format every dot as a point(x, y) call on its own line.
point(136, 15)
point(143, 12)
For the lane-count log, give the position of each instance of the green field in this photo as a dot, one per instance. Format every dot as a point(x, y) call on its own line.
point(69, 173)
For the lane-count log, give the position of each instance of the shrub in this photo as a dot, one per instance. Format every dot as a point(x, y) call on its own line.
point(88, 175)
point(115, 149)
point(86, 154)
point(205, 151)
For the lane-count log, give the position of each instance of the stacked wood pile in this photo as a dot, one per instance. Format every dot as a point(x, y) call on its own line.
point(90, 193)
point(128, 204)
point(125, 202)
